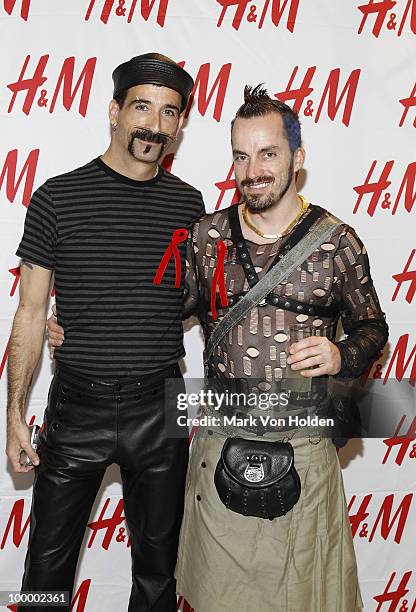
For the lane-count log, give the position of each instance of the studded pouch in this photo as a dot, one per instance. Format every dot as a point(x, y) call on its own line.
point(257, 478)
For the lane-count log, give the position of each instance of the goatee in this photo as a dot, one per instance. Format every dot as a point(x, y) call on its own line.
point(144, 134)
point(261, 203)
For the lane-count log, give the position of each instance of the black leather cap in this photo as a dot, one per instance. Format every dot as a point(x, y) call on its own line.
point(154, 69)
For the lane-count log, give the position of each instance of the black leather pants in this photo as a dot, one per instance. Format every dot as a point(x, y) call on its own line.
point(90, 424)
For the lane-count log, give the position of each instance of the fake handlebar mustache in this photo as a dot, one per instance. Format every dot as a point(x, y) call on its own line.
point(150, 136)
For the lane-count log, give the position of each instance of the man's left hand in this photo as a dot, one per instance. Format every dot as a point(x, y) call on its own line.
point(317, 352)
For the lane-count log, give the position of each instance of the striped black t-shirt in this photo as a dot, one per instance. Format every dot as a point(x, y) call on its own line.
point(104, 235)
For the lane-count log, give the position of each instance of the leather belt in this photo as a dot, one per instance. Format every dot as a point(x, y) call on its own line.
point(115, 386)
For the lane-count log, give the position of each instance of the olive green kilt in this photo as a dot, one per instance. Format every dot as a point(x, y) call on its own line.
point(301, 562)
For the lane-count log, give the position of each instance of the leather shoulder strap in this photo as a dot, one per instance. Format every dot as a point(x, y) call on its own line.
point(305, 247)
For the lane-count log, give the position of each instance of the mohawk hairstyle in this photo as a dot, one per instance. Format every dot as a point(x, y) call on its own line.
point(258, 103)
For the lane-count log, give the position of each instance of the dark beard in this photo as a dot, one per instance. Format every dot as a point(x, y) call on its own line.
point(261, 203)
point(150, 136)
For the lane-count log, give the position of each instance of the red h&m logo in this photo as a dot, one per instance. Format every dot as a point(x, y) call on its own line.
point(9, 6)
point(277, 10)
point(4, 358)
point(384, 517)
point(377, 186)
point(120, 10)
point(409, 102)
point(330, 95)
point(16, 273)
point(28, 172)
point(402, 442)
point(229, 184)
point(183, 606)
point(167, 161)
point(406, 277)
point(396, 597)
point(399, 356)
point(81, 596)
point(31, 85)
point(200, 90)
point(18, 523)
point(380, 9)
point(109, 526)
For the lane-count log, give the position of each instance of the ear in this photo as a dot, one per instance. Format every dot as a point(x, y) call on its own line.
point(113, 111)
point(298, 159)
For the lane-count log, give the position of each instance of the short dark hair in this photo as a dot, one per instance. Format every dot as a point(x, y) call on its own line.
point(258, 103)
point(120, 98)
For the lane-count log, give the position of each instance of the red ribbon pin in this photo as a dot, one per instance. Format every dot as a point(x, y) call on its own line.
point(218, 279)
point(178, 236)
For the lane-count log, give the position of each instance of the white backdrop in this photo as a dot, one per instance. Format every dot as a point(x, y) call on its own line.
point(348, 68)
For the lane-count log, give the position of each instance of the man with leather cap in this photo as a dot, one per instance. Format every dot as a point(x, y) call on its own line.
point(102, 229)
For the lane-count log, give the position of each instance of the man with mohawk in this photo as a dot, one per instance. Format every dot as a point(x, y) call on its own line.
point(304, 559)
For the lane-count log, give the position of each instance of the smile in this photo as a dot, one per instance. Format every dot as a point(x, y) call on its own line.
point(259, 185)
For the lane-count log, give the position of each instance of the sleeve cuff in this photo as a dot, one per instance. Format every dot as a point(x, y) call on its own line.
point(38, 261)
point(350, 362)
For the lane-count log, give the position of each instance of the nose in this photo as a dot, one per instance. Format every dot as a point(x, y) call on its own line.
point(253, 168)
point(154, 122)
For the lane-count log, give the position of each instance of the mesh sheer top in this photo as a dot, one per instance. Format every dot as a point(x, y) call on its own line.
point(336, 275)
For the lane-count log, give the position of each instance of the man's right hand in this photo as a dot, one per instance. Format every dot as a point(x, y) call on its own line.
point(18, 439)
point(55, 332)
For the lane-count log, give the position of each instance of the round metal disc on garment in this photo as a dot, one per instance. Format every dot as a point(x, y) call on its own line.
point(327, 246)
point(213, 233)
point(264, 386)
point(281, 337)
point(319, 292)
point(252, 352)
point(301, 318)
